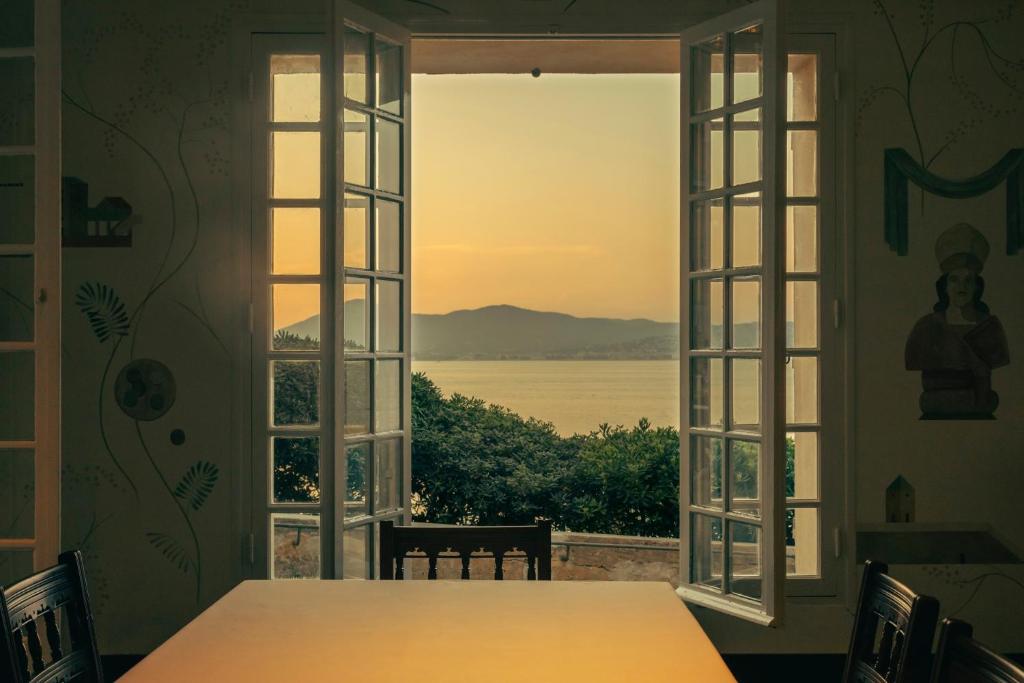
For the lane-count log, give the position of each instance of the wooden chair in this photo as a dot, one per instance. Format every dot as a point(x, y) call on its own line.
point(892, 632)
point(499, 542)
point(55, 601)
point(962, 659)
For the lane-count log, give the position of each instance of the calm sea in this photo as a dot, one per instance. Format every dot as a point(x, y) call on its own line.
point(575, 395)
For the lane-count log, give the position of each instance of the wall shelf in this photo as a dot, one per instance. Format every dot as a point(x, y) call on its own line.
point(933, 543)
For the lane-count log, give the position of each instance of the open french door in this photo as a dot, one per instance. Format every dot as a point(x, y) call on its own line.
point(732, 448)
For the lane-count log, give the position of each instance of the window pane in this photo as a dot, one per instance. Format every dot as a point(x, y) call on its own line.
point(707, 76)
point(746, 394)
point(707, 314)
point(706, 471)
point(746, 230)
point(17, 30)
point(706, 235)
point(389, 236)
point(296, 392)
point(17, 199)
point(357, 149)
point(356, 564)
point(707, 162)
point(802, 465)
point(357, 483)
point(296, 241)
point(802, 163)
point(706, 392)
point(17, 300)
point(357, 48)
point(746, 71)
point(801, 239)
point(357, 231)
point(745, 461)
point(389, 156)
point(802, 314)
point(387, 482)
point(801, 390)
point(802, 88)
point(389, 316)
point(389, 76)
point(745, 555)
point(17, 493)
point(17, 396)
point(746, 313)
point(388, 396)
point(357, 397)
point(295, 87)
point(357, 314)
point(17, 105)
point(296, 169)
point(803, 542)
point(296, 317)
point(14, 565)
point(706, 551)
point(296, 541)
point(746, 154)
point(296, 469)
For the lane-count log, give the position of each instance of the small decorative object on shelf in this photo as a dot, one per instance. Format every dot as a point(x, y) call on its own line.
point(105, 225)
point(899, 501)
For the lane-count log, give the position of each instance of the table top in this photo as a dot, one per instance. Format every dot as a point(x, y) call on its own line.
point(448, 631)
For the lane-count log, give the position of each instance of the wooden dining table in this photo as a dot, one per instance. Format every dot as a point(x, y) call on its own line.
point(443, 631)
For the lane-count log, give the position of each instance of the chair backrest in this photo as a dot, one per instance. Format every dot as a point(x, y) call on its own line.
point(892, 632)
point(464, 543)
point(48, 627)
point(962, 659)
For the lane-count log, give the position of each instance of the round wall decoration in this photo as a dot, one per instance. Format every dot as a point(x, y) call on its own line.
point(145, 389)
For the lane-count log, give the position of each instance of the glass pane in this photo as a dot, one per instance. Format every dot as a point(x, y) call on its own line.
point(17, 493)
point(706, 551)
point(389, 316)
point(802, 88)
point(17, 396)
point(17, 300)
point(357, 397)
point(357, 482)
point(745, 459)
point(388, 396)
point(296, 170)
point(745, 555)
point(356, 564)
point(387, 477)
point(802, 163)
point(801, 390)
point(296, 392)
point(746, 313)
point(357, 148)
point(801, 239)
point(389, 76)
point(706, 471)
point(707, 313)
point(706, 235)
point(17, 105)
point(706, 392)
point(296, 542)
point(802, 314)
point(17, 29)
point(357, 314)
point(14, 565)
point(802, 465)
point(389, 236)
point(708, 74)
point(746, 153)
point(296, 239)
point(357, 231)
point(357, 48)
point(707, 155)
point(746, 393)
point(296, 317)
point(295, 87)
point(296, 469)
point(17, 199)
point(389, 156)
point(746, 64)
point(803, 542)
point(746, 230)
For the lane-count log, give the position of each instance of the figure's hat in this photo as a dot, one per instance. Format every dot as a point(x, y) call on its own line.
point(961, 246)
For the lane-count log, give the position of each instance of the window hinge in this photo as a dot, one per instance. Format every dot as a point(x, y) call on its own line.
point(252, 548)
point(251, 320)
point(837, 542)
point(835, 85)
point(837, 313)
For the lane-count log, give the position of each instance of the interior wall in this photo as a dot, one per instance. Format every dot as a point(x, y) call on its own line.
point(147, 117)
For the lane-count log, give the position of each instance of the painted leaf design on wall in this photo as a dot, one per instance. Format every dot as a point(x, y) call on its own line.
point(103, 309)
point(171, 549)
point(197, 483)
